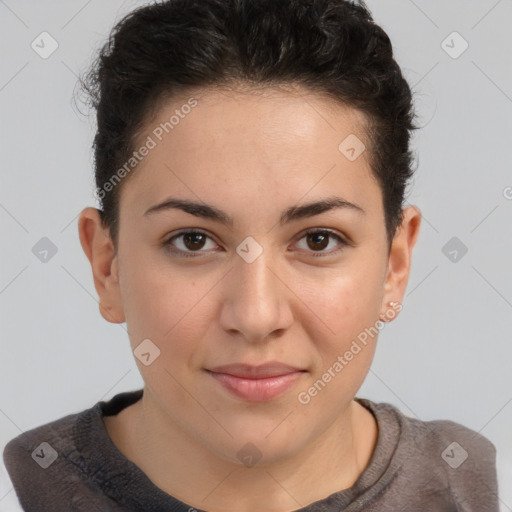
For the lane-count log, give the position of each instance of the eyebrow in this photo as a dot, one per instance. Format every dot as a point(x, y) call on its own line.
point(206, 211)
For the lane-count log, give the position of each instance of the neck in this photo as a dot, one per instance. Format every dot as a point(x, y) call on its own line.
point(186, 469)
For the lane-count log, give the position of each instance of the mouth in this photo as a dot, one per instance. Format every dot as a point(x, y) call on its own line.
point(256, 383)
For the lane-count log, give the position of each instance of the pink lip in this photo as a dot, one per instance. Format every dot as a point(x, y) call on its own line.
point(256, 383)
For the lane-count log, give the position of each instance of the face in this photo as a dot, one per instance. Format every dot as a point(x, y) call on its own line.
point(254, 274)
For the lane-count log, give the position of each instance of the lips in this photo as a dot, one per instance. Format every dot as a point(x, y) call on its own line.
point(256, 383)
point(262, 371)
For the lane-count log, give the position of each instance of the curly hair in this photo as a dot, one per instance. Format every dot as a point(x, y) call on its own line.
point(329, 46)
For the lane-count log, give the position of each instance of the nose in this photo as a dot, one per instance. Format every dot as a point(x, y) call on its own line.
point(256, 301)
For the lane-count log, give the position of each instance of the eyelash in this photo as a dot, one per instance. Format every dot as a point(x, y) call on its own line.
point(194, 254)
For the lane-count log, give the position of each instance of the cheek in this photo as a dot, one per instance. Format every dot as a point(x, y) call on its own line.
point(344, 330)
point(169, 308)
point(345, 303)
point(163, 304)
point(348, 311)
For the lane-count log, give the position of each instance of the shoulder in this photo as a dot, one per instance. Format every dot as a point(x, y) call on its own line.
point(69, 463)
point(42, 444)
point(48, 468)
point(446, 455)
point(449, 439)
point(37, 460)
point(454, 444)
point(467, 457)
point(442, 433)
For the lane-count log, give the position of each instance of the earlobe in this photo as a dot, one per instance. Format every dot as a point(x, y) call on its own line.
point(99, 249)
point(392, 310)
point(400, 258)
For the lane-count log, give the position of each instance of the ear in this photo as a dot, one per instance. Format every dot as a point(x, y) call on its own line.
point(100, 252)
point(399, 262)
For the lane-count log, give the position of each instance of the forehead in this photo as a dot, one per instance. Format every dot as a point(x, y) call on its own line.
point(214, 143)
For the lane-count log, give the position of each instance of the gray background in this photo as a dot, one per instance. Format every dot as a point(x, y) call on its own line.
point(448, 355)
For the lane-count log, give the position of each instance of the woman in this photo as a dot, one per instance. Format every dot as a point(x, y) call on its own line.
point(251, 162)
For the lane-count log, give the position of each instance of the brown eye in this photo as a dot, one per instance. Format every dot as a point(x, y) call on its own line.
point(190, 243)
point(194, 241)
point(318, 240)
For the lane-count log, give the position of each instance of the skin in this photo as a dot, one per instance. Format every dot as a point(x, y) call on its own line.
point(252, 155)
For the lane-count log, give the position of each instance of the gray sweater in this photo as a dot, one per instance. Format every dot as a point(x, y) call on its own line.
point(71, 465)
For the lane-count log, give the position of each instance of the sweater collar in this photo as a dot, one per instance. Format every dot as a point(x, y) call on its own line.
point(127, 484)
